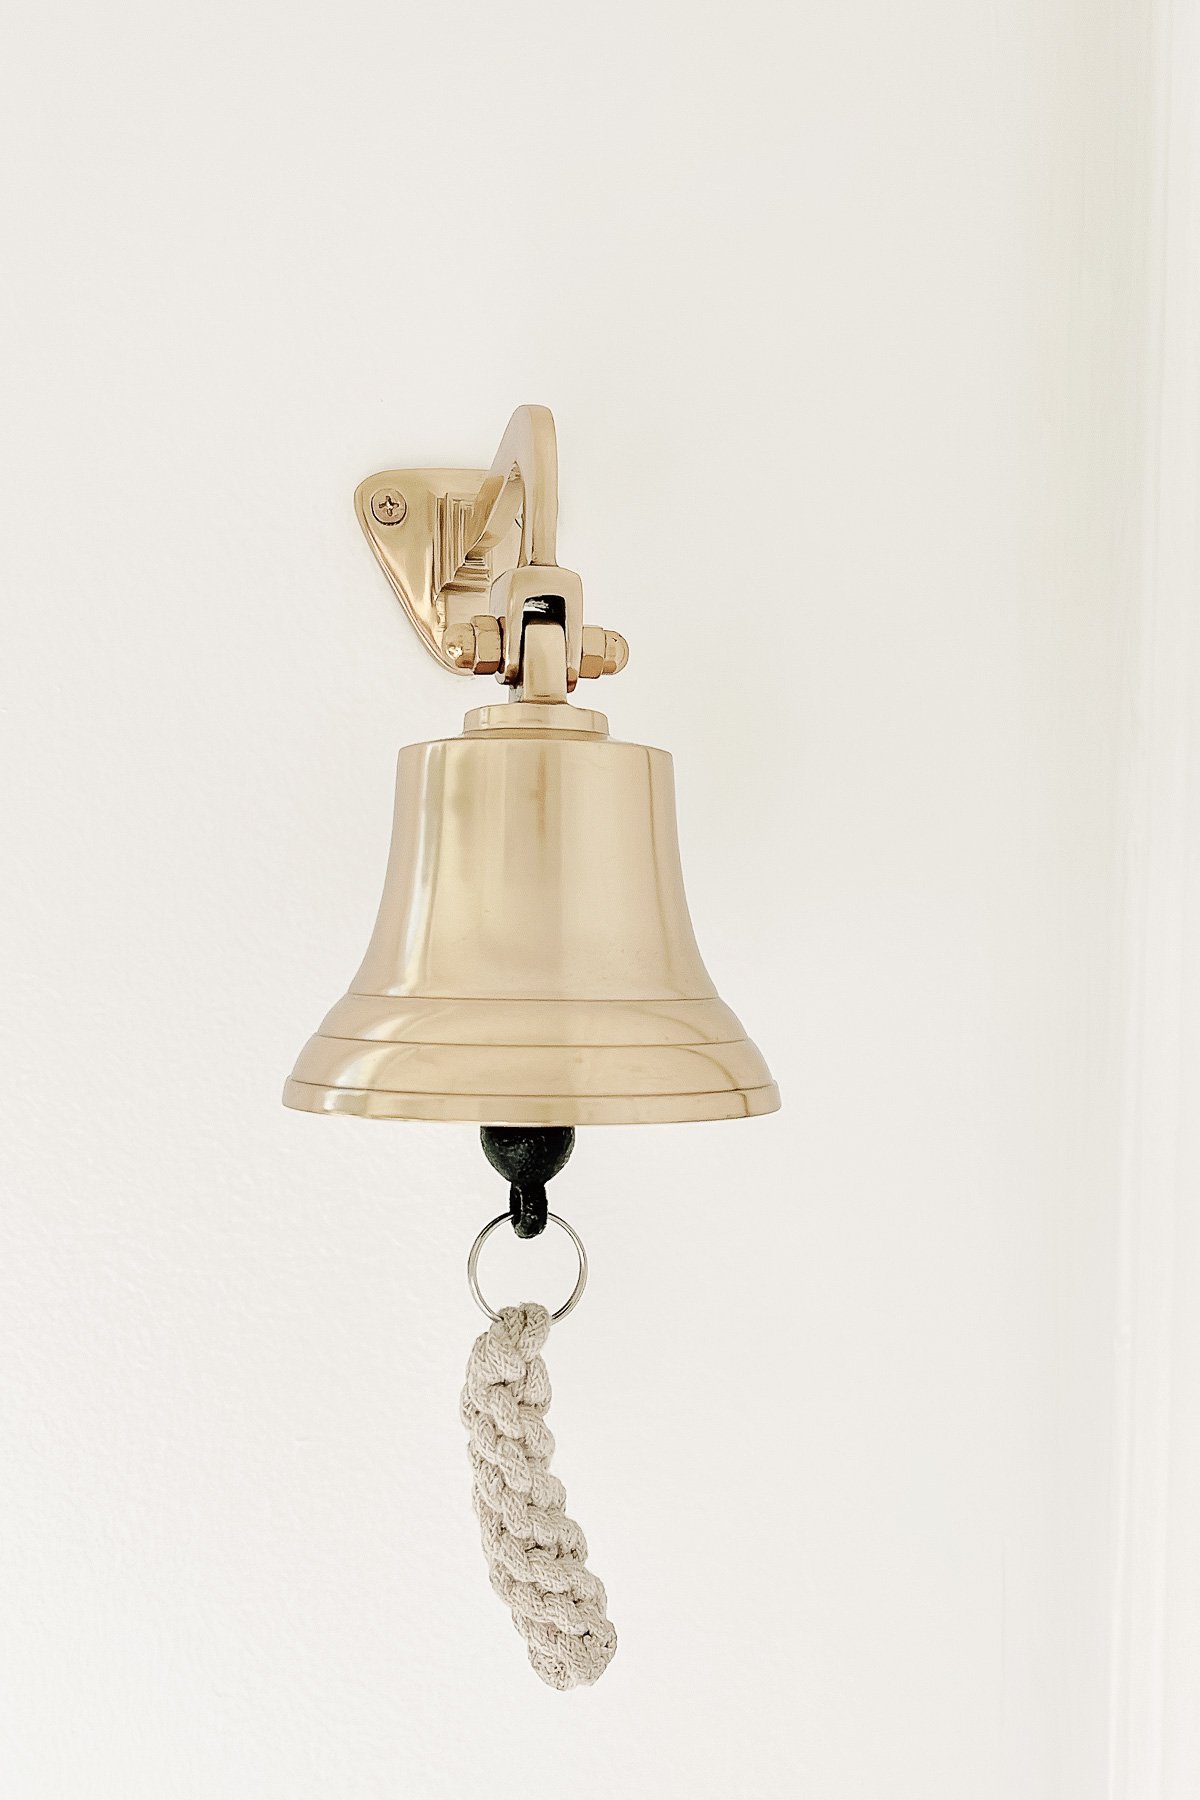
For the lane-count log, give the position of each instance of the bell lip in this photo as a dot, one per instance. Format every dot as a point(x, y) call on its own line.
point(533, 1110)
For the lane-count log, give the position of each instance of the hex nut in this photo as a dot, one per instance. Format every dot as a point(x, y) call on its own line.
point(591, 658)
point(489, 643)
point(459, 646)
point(616, 653)
point(604, 653)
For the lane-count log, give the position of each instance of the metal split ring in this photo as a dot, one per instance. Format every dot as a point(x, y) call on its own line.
point(505, 1218)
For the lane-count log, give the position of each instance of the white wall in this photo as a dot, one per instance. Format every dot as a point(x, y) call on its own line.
point(1154, 1721)
point(841, 315)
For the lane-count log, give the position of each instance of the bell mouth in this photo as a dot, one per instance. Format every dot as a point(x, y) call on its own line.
point(507, 1109)
point(532, 1062)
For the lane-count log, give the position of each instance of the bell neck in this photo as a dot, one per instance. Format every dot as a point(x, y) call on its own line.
point(535, 718)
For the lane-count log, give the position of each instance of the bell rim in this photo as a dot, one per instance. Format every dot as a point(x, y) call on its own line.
point(716, 1106)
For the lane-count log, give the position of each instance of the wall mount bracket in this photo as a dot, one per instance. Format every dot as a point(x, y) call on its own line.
point(471, 555)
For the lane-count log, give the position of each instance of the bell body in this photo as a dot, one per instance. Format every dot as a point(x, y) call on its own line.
point(533, 961)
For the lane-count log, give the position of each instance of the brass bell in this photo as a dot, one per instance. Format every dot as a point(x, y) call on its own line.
point(533, 962)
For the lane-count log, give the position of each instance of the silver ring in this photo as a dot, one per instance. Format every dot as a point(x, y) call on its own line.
point(505, 1218)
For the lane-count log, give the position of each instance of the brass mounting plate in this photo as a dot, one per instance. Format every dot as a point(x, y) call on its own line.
point(422, 552)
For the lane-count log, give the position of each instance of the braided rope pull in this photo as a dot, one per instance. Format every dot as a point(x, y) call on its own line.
point(536, 1555)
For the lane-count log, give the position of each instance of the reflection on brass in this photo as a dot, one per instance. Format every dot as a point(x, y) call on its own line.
point(533, 962)
point(453, 541)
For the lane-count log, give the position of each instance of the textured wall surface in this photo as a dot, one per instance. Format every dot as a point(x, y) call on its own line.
point(834, 311)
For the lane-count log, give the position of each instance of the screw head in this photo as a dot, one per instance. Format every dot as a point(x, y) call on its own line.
point(388, 506)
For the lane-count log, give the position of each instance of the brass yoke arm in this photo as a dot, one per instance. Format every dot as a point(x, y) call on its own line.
point(527, 462)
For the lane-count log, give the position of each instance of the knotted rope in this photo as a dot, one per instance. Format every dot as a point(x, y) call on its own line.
point(536, 1555)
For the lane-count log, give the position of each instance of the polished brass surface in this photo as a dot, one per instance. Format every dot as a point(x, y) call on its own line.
point(545, 674)
point(515, 591)
point(603, 653)
point(533, 961)
point(450, 539)
point(422, 555)
point(523, 477)
point(389, 506)
point(527, 715)
point(478, 647)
